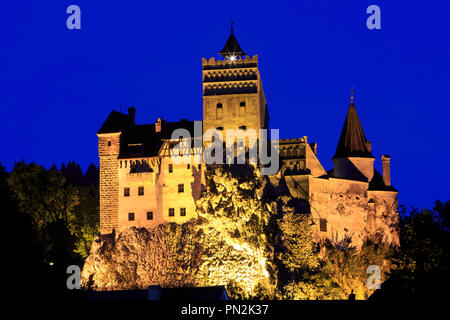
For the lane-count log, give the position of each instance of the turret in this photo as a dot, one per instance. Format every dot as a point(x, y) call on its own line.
point(353, 158)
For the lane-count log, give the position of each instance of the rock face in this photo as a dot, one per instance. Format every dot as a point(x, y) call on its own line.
point(231, 244)
point(171, 256)
point(251, 236)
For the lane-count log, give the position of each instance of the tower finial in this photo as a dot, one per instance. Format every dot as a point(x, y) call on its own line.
point(231, 25)
point(352, 92)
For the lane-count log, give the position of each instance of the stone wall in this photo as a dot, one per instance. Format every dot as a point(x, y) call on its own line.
point(108, 150)
point(347, 208)
point(161, 192)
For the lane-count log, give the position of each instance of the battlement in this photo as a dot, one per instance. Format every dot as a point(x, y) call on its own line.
point(293, 140)
point(213, 64)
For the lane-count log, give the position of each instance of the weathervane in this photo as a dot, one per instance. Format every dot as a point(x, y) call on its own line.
point(352, 91)
point(231, 25)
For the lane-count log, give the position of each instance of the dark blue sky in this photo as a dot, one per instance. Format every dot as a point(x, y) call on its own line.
point(57, 86)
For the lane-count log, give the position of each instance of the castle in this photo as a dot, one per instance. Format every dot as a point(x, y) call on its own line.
point(141, 185)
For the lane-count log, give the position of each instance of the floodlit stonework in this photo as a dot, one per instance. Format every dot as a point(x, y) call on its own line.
point(141, 186)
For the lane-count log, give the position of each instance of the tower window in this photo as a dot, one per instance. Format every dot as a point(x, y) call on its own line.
point(126, 192)
point(130, 216)
point(188, 166)
point(171, 212)
point(183, 212)
point(170, 168)
point(219, 111)
point(199, 167)
point(141, 191)
point(180, 188)
point(242, 104)
point(109, 143)
point(150, 215)
point(323, 225)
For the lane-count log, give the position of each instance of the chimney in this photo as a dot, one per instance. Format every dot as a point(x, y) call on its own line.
point(132, 114)
point(158, 125)
point(313, 146)
point(386, 169)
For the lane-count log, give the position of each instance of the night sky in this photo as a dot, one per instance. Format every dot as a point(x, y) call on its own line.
point(57, 86)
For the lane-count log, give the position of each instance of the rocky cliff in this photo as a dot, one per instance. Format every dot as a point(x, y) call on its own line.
point(232, 243)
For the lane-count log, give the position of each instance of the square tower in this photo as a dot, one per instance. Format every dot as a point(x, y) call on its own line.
point(233, 96)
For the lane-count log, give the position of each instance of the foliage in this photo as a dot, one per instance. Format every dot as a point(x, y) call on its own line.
point(299, 250)
point(64, 216)
point(423, 258)
point(346, 267)
point(251, 238)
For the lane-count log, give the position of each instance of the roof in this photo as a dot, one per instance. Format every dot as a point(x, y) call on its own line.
point(377, 183)
point(144, 141)
point(232, 47)
point(353, 142)
point(115, 122)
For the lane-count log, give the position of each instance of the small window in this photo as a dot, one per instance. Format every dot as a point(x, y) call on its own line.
point(171, 212)
point(180, 188)
point(242, 104)
point(323, 225)
point(219, 128)
point(141, 191)
point(243, 128)
point(170, 168)
point(199, 167)
point(130, 216)
point(219, 112)
point(183, 212)
point(109, 143)
point(126, 192)
point(150, 215)
point(188, 166)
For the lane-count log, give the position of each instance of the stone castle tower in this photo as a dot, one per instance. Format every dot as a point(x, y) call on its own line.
point(140, 184)
point(233, 96)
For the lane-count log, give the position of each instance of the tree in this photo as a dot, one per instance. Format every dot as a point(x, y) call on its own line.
point(422, 262)
point(44, 196)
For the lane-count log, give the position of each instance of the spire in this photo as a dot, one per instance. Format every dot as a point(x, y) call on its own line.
point(232, 47)
point(353, 142)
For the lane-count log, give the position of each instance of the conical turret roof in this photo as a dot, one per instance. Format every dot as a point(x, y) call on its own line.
point(232, 47)
point(353, 142)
